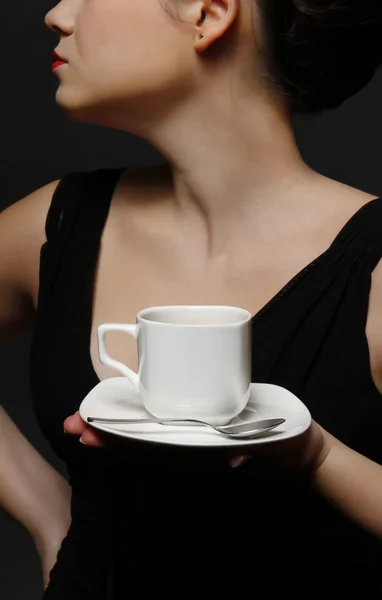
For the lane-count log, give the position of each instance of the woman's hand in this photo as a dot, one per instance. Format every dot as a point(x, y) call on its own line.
point(350, 480)
point(89, 436)
point(305, 452)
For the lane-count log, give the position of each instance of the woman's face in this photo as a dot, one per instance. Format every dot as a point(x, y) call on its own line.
point(128, 60)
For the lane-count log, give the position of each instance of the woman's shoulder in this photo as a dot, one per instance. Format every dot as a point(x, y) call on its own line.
point(22, 233)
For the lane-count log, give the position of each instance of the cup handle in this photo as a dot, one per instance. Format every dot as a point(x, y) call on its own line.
point(111, 362)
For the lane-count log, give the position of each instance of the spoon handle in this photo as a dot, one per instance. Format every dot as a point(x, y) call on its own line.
point(242, 427)
point(128, 421)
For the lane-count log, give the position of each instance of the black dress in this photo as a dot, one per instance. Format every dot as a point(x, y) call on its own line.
point(182, 524)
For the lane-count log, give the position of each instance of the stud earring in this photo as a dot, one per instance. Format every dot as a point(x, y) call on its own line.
point(201, 36)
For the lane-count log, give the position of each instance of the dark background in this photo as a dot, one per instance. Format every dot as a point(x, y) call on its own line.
point(40, 144)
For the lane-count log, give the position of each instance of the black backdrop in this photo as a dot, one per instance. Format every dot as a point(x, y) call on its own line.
point(40, 144)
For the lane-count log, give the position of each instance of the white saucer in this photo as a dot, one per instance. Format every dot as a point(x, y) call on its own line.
point(116, 398)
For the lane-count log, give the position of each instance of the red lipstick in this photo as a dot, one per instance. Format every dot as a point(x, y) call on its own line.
point(58, 62)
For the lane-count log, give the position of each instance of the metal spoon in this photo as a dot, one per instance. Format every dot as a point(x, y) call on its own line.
point(239, 430)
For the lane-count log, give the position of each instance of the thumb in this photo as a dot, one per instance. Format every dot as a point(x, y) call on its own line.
point(238, 461)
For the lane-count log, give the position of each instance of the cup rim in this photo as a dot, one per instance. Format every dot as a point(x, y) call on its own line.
point(247, 316)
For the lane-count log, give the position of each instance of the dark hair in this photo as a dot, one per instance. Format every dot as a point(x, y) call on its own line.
point(318, 53)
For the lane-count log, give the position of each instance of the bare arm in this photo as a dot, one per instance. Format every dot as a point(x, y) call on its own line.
point(353, 483)
point(31, 490)
point(349, 480)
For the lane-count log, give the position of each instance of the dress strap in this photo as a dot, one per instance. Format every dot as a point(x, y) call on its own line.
point(362, 235)
point(79, 207)
point(92, 189)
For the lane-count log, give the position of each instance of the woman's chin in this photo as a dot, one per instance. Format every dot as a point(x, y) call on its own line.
point(75, 106)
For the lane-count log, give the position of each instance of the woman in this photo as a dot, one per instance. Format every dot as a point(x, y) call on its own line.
point(234, 216)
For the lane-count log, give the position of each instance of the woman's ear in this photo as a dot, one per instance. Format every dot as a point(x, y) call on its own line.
point(214, 19)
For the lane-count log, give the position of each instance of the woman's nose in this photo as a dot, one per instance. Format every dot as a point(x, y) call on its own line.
point(61, 18)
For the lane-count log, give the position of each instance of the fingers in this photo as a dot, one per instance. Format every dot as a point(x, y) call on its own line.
point(236, 457)
point(92, 437)
point(237, 461)
point(75, 425)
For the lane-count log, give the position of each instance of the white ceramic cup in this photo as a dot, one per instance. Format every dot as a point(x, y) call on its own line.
point(194, 361)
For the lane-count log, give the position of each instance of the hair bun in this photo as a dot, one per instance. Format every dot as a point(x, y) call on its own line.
point(321, 53)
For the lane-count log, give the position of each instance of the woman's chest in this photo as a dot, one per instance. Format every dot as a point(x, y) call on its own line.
point(274, 289)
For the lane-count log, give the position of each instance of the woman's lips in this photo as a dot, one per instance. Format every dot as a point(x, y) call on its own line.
point(59, 61)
